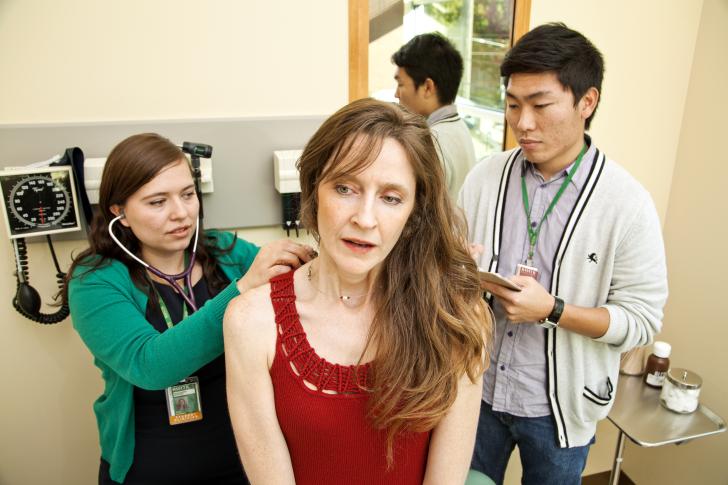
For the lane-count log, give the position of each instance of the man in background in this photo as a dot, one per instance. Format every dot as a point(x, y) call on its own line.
point(429, 70)
point(582, 238)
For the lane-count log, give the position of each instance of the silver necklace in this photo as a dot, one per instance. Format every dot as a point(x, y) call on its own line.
point(342, 298)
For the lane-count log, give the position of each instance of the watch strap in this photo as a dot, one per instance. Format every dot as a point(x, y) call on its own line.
point(552, 320)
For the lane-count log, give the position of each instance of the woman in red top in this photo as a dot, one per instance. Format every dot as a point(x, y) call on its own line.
point(364, 366)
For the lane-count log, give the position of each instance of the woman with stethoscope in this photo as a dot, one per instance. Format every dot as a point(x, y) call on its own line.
point(147, 298)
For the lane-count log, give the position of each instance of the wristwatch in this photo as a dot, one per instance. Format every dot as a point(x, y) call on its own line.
point(552, 321)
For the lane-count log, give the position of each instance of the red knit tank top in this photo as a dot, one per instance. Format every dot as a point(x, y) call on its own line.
point(329, 438)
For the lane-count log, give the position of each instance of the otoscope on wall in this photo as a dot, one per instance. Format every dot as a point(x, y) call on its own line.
point(197, 151)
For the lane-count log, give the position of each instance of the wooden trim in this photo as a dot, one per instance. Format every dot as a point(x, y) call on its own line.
point(358, 49)
point(603, 479)
point(521, 19)
point(521, 23)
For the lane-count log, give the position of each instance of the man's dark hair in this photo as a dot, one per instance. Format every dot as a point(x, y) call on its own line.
point(433, 56)
point(556, 48)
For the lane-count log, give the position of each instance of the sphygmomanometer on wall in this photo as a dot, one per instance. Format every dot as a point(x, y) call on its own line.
point(39, 201)
point(49, 199)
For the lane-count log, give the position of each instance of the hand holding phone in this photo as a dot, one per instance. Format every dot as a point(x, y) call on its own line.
point(497, 279)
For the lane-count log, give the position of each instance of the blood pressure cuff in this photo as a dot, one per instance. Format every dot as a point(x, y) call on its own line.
point(74, 157)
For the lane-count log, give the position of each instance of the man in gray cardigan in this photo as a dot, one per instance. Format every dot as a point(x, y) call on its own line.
point(584, 242)
point(429, 70)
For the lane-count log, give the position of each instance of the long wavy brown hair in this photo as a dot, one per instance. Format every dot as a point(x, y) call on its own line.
point(431, 324)
point(132, 163)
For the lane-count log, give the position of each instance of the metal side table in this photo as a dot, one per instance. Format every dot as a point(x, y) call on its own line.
point(638, 415)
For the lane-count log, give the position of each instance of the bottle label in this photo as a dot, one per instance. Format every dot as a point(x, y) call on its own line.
point(656, 378)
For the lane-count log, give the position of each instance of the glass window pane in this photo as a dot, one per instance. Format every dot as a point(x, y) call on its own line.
point(479, 29)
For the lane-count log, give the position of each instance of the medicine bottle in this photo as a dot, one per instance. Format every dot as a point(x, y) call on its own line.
point(658, 364)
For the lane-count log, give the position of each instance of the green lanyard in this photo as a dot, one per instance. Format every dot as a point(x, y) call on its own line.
point(533, 233)
point(165, 311)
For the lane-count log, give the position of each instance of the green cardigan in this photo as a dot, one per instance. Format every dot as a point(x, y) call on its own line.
point(108, 312)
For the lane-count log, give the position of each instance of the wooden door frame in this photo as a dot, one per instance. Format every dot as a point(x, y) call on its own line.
point(358, 49)
point(521, 23)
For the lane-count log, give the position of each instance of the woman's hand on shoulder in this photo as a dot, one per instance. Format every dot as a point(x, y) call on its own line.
point(274, 259)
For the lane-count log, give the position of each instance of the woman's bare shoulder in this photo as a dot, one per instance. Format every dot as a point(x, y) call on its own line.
point(250, 318)
point(255, 301)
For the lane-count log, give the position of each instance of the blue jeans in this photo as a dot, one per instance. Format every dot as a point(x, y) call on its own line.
point(542, 459)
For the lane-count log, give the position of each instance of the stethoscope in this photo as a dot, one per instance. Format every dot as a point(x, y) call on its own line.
point(169, 278)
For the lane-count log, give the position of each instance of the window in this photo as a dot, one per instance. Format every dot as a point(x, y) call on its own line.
point(480, 29)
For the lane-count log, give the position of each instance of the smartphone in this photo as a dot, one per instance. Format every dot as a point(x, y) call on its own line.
point(491, 277)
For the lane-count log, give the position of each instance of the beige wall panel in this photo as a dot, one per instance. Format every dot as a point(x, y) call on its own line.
point(83, 60)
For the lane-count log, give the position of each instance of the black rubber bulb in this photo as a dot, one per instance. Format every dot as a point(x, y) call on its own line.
point(28, 298)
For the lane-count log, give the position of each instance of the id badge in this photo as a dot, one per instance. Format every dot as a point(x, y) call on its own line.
point(183, 401)
point(525, 270)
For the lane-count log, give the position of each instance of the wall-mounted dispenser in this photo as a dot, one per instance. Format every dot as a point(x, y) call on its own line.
point(288, 185)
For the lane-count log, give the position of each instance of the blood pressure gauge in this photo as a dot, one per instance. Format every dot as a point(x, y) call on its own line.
point(39, 201)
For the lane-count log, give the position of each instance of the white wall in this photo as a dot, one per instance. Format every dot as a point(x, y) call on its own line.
point(87, 60)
